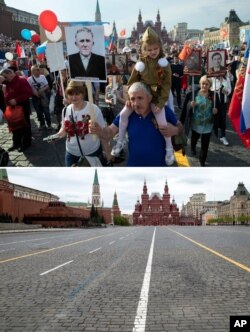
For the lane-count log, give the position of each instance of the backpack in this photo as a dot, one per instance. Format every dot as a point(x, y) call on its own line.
point(4, 157)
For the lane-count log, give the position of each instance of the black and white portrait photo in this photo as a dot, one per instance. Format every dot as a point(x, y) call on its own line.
point(216, 63)
point(86, 53)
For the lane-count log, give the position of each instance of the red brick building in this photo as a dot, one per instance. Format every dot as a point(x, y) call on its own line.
point(156, 209)
point(19, 203)
point(141, 28)
point(17, 200)
point(13, 21)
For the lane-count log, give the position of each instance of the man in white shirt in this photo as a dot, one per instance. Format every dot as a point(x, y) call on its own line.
point(40, 99)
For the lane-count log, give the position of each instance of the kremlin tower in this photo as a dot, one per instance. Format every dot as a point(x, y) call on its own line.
point(96, 195)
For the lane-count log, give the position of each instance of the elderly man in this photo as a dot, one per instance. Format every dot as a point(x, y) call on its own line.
point(85, 63)
point(40, 97)
point(146, 144)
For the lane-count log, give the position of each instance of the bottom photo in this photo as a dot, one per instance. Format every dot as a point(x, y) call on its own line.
point(124, 249)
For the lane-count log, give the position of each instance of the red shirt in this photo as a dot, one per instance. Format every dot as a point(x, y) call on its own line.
point(18, 89)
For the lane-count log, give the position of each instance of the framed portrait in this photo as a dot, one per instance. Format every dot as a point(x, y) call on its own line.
point(192, 65)
point(216, 63)
point(23, 63)
point(86, 53)
point(121, 62)
point(117, 64)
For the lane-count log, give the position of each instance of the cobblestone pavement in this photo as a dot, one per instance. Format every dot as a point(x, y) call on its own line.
point(42, 154)
point(91, 280)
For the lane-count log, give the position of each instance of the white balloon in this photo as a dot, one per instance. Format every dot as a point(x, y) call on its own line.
point(55, 35)
point(32, 32)
point(107, 30)
point(9, 56)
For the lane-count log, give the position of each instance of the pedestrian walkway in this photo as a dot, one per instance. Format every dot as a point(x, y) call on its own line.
point(44, 154)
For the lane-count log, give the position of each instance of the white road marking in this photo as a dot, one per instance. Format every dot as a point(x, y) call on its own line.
point(32, 240)
point(121, 238)
point(55, 268)
point(91, 252)
point(141, 315)
point(40, 244)
point(111, 242)
point(7, 250)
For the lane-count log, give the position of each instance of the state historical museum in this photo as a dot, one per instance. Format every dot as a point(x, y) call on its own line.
point(156, 210)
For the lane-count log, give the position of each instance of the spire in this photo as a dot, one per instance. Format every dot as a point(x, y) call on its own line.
point(115, 201)
point(139, 16)
point(4, 174)
point(98, 13)
point(145, 189)
point(96, 196)
point(166, 187)
point(96, 181)
point(158, 18)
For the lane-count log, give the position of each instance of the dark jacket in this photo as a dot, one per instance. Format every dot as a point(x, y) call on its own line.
point(96, 67)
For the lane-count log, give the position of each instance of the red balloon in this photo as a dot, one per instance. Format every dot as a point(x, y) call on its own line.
point(48, 20)
point(35, 38)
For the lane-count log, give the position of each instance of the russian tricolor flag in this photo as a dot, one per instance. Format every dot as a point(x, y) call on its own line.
point(239, 109)
point(245, 112)
point(112, 43)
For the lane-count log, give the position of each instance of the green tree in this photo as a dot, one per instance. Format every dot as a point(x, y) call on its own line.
point(121, 221)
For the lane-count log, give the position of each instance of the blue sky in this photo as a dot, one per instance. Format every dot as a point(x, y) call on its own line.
point(198, 14)
point(75, 184)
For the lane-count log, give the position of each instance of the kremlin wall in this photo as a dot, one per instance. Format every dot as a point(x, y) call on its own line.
point(23, 204)
point(20, 204)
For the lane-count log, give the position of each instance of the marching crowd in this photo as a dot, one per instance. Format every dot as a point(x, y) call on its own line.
point(139, 107)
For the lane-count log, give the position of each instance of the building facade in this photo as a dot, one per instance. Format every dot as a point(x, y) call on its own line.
point(142, 26)
point(13, 21)
point(194, 206)
point(17, 200)
point(180, 33)
point(238, 205)
point(228, 32)
point(23, 204)
point(155, 209)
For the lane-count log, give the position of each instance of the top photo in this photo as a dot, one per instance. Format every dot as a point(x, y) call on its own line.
point(148, 85)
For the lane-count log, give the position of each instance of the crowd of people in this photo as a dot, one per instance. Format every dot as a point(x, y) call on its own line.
point(140, 101)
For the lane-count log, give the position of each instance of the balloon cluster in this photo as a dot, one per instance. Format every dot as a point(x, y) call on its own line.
point(30, 35)
point(48, 20)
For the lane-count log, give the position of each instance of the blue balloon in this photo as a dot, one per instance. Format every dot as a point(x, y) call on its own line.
point(26, 34)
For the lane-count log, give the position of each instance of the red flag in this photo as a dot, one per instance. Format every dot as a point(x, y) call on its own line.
point(235, 108)
point(18, 49)
point(123, 32)
point(185, 53)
